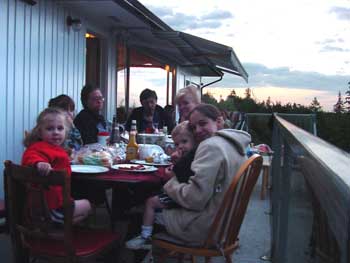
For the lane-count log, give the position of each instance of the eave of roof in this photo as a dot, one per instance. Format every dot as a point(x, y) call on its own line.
point(148, 34)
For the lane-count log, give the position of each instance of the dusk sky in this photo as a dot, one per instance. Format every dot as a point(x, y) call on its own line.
point(293, 50)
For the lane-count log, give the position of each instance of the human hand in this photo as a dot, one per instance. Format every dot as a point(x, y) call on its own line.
point(43, 168)
point(176, 155)
point(168, 172)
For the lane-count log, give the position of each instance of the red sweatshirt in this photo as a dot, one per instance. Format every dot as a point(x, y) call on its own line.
point(56, 156)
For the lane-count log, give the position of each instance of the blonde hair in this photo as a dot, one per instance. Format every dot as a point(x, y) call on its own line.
point(34, 135)
point(191, 91)
point(182, 128)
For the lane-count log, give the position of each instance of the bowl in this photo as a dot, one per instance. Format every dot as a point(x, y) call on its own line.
point(148, 150)
point(156, 138)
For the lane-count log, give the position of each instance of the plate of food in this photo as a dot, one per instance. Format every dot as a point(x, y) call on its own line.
point(138, 168)
point(145, 162)
point(89, 169)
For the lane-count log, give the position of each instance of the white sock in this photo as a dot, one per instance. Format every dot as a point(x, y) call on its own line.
point(146, 231)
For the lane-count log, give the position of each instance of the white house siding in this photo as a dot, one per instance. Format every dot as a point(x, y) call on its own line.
point(40, 58)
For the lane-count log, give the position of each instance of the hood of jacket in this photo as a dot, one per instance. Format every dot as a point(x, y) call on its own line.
point(240, 139)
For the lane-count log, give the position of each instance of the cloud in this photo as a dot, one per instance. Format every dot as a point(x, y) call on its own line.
point(182, 21)
point(162, 11)
point(330, 41)
point(341, 12)
point(329, 48)
point(262, 76)
point(217, 14)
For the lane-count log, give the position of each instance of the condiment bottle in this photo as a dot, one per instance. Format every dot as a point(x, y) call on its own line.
point(132, 147)
point(115, 134)
point(165, 130)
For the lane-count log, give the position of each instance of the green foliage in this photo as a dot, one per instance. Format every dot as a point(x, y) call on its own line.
point(332, 127)
point(339, 106)
point(208, 98)
point(315, 106)
point(347, 100)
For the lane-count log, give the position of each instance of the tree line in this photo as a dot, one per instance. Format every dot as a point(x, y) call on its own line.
point(333, 127)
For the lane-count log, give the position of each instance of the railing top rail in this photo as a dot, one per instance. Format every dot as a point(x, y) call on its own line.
point(281, 114)
point(334, 159)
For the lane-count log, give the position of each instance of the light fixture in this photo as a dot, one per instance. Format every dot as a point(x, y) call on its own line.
point(89, 35)
point(167, 68)
point(74, 23)
point(30, 2)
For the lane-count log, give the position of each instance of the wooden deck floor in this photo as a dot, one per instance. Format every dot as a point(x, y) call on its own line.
point(254, 237)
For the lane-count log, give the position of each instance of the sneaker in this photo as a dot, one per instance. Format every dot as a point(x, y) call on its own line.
point(139, 243)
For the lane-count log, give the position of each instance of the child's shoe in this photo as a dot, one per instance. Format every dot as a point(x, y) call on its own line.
point(139, 242)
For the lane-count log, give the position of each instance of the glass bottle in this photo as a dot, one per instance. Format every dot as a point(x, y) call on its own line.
point(165, 130)
point(115, 132)
point(132, 147)
point(111, 138)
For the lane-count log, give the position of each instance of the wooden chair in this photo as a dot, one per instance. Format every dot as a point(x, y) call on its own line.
point(267, 161)
point(2, 216)
point(222, 237)
point(32, 232)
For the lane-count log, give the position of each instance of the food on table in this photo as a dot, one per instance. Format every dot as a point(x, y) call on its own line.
point(139, 167)
point(96, 154)
point(103, 158)
point(149, 159)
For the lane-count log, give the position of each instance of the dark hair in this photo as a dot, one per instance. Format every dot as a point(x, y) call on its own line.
point(147, 93)
point(208, 110)
point(85, 92)
point(34, 135)
point(169, 108)
point(63, 102)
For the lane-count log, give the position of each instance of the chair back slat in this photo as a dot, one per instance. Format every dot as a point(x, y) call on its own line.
point(228, 220)
point(28, 213)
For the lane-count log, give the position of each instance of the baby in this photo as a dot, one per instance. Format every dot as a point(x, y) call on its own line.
point(183, 157)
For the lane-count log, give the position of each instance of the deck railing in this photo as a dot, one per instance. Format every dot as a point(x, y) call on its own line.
point(310, 197)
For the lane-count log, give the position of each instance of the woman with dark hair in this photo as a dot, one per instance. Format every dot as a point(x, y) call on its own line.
point(89, 121)
point(219, 155)
point(64, 102)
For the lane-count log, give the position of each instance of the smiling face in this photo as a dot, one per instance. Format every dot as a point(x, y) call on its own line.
point(53, 130)
point(185, 104)
point(202, 126)
point(95, 101)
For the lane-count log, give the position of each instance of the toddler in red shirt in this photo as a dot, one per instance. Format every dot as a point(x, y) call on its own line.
point(45, 152)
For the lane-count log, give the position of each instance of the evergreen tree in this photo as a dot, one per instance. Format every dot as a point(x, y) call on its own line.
point(248, 93)
point(347, 99)
point(268, 102)
point(315, 106)
point(339, 106)
point(232, 94)
point(208, 98)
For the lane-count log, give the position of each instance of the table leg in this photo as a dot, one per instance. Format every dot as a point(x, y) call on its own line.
point(265, 181)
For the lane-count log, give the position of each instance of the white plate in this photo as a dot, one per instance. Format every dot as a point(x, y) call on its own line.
point(89, 169)
point(128, 168)
point(153, 164)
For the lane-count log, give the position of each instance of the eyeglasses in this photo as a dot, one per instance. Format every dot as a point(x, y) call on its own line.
point(97, 98)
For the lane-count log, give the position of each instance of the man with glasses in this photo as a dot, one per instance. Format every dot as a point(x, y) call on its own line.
point(89, 121)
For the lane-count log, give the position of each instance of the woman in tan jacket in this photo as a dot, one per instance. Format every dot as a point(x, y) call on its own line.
point(218, 157)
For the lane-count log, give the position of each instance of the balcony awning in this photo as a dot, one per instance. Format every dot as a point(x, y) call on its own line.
point(197, 55)
point(202, 51)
